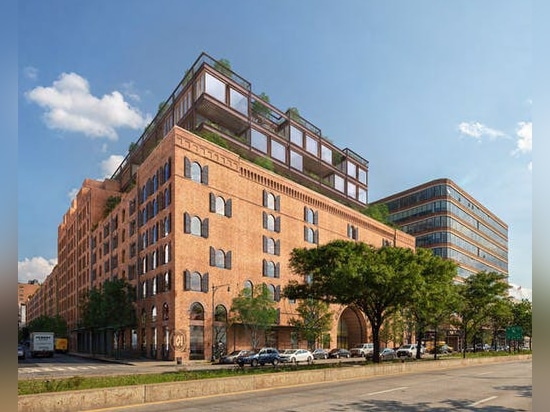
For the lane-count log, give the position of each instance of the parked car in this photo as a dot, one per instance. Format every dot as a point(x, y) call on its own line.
point(232, 357)
point(265, 355)
point(20, 351)
point(297, 355)
point(320, 353)
point(338, 353)
point(385, 354)
point(408, 351)
point(362, 350)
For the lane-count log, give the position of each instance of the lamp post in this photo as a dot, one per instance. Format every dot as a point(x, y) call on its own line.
point(214, 289)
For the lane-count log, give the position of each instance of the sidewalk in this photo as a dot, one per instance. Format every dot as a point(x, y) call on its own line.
point(146, 362)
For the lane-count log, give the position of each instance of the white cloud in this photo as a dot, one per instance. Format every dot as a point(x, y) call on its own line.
point(30, 72)
point(479, 130)
point(37, 268)
point(109, 165)
point(72, 193)
point(129, 91)
point(525, 133)
point(70, 106)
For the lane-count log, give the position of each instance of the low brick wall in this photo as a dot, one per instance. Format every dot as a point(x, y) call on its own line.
point(139, 394)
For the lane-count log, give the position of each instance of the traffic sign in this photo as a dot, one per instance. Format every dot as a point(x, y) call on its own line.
point(514, 333)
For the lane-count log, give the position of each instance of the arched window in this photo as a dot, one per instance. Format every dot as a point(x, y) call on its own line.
point(270, 201)
point(270, 223)
point(271, 292)
point(155, 260)
point(269, 269)
point(154, 287)
point(220, 258)
point(309, 235)
point(196, 172)
point(153, 314)
point(196, 225)
point(196, 312)
point(166, 225)
point(248, 288)
point(196, 279)
point(166, 281)
point(270, 246)
point(144, 289)
point(220, 205)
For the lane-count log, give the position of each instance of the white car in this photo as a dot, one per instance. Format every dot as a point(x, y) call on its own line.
point(297, 355)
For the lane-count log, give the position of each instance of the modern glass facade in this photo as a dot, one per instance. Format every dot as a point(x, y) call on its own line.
point(444, 218)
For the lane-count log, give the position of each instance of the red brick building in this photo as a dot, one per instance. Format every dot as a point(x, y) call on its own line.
point(184, 219)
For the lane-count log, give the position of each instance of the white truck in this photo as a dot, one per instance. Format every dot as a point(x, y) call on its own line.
point(42, 344)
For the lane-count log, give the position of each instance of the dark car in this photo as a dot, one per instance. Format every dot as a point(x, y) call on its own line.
point(384, 354)
point(320, 353)
point(265, 355)
point(339, 353)
point(233, 356)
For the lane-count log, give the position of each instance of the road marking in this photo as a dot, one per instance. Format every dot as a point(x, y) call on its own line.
point(482, 401)
point(388, 390)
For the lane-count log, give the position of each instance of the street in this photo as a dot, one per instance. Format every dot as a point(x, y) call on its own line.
point(498, 387)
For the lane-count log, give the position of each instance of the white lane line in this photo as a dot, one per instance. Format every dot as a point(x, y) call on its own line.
point(388, 390)
point(482, 401)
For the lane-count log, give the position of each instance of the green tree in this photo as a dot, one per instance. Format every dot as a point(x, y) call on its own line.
point(110, 307)
point(259, 107)
point(500, 316)
point(55, 324)
point(478, 294)
point(223, 66)
point(377, 281)
point(378, 212)
point(255, 310)
point(314, 321)
point(294, 114)
point(522, 313)
point(112, 202)
point(435, 296)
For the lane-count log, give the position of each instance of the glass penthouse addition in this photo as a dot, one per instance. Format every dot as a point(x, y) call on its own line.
point(444, 218)
point(216, 103)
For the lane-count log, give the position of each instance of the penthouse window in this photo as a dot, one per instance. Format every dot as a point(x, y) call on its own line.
point(258, 141)
point(296, 160)
point(278, 151)
point(326, 154)
point(238, 101)
point(312, 145)
point(195, 172)
point(194, 225)
point(296, 136)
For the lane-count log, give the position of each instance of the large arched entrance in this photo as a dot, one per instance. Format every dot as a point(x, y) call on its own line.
point(352, 328)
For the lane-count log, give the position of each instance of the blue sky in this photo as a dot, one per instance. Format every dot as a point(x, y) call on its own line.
point(422, 89)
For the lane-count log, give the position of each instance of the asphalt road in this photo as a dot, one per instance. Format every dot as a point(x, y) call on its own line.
point(499, 387)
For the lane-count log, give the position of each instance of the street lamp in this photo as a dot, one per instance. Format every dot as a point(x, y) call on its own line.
point(214, 289)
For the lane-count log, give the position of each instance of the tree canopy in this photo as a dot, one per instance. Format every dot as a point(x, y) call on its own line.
point(315, 319)
point(377, 281)
point(255, 310)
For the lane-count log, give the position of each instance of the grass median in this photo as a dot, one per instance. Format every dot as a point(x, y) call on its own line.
point(35, 386)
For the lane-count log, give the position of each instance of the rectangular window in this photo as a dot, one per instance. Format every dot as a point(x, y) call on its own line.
point(296, 160)
point(238, 101)
point(326, 154)
point(259, 141)
point(296, 136)
point(352, 190)
point(362, 175)
point(339, 183)
point(278, 151)
point(352, 169)
point(362, 195)
point(312, 145)
point(215, 87)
